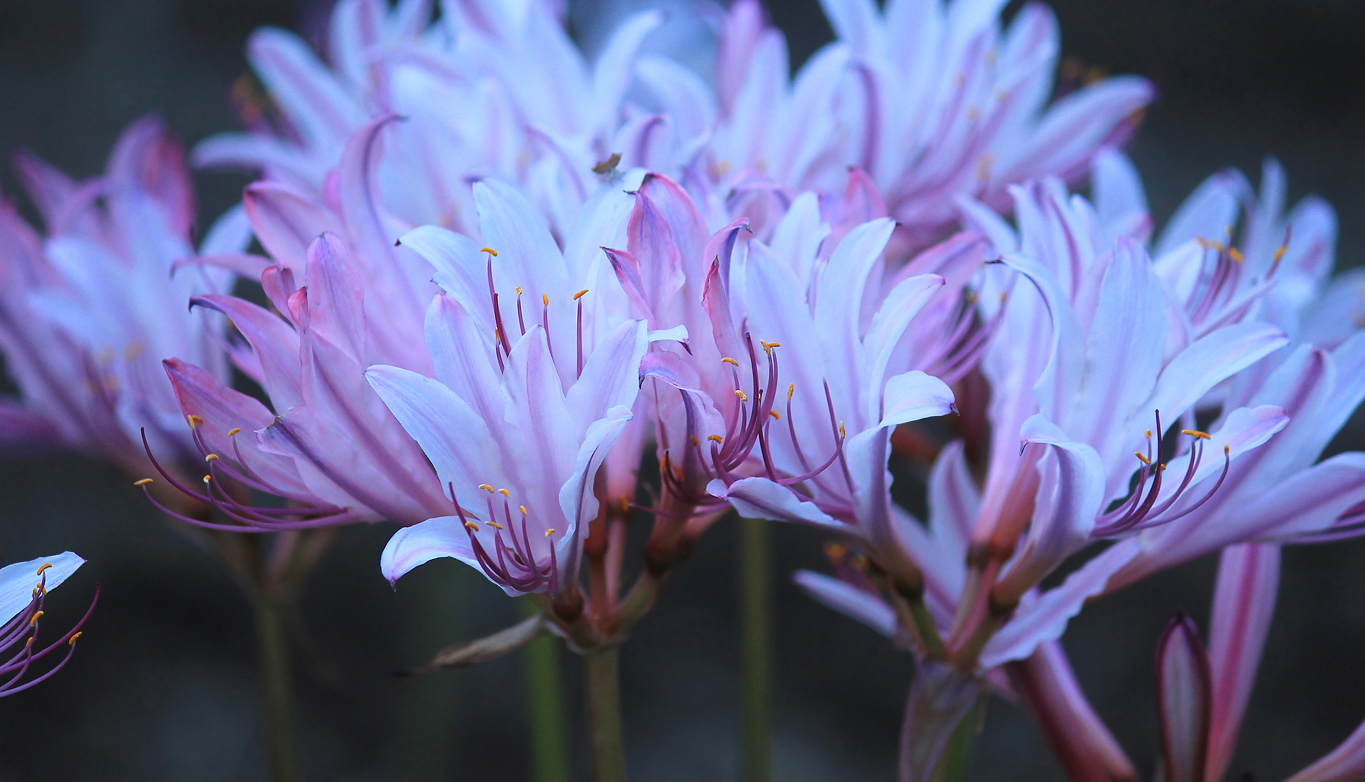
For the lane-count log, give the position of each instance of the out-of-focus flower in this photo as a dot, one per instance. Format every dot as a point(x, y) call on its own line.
point(931, 99)
point(1116, 337)
point(533, 385)
point(490, 89)
point(23, 592)
point(92, 302)
point(343, 297)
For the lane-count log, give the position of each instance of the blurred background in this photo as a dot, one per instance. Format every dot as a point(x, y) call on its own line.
point(165, 683)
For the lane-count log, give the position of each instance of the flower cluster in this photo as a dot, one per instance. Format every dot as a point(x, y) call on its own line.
point(483, 278)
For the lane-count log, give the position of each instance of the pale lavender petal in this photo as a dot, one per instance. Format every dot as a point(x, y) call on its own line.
point(452, 435)
point(760, 498)
point(1209, 361)
point(1243, 602)
point(17, 581)
point(855, 603)
point(410, 547)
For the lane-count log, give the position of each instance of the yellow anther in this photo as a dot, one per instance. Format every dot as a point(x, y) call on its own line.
point(1280, 251)
point(1163, 467)
point(34, 621)
point(1196, 433)
point(490, 251)
point(728, 360)
point(233, 431)
point(743, 397)
point(715, 438)
point(1235, 254)
point(504, 492)
point(41, 569)
point(142, 482)
point(545, 299)
point(497, 336)
point(472, 526)
point(207, 478)
point(836, 550)
point(29, 642)
point(213, 457)
point(486, 488)
point(579, 295)
point(523, 510)
point(549, 532)
point(1226, 450)
point(791, 389)
point(695, 441)
point(775, 414)
point(1209, 244)
point(625, 504)
point(194, 420)
point(768, 346)
point(493, 524)
point(1142, 458)
point(518, 290)
point(842, 433)
point(72, 642)
point(1148, 435)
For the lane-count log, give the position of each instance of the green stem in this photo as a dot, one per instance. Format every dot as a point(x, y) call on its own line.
point(756, 615)
point(956, 758)
point(438, 611)
point(602, 670)
point(277, 692)
point(545, 702)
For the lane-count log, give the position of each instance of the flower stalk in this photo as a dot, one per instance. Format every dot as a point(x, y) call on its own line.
point(545, 707)
point(603, 686)
point(277, 687)
point(756, 634)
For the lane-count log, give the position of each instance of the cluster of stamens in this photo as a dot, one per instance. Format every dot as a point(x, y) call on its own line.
point(21, 635)
point(1141, 510)
point(223, 479)
point(502, 344)
point(514, 566)
point(952, 357)
point(747, 426)
point(1221, 284)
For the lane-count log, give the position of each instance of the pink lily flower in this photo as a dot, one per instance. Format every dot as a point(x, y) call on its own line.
point(531, 392)
point(933, 100)
point(489, 89)
point(344, 297)
point(92, 301)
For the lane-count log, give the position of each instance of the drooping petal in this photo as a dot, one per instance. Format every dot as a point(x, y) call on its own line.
point(760, 498)
point(444, 536)
point(848, 600)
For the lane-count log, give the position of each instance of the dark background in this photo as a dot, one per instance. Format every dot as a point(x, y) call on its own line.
point(164, 685)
